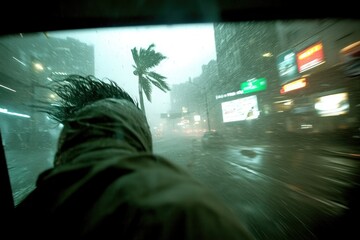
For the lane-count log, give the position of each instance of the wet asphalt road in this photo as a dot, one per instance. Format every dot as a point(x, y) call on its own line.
point(279, 190)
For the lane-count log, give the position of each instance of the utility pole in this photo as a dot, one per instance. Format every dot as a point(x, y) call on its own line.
point(207, 112)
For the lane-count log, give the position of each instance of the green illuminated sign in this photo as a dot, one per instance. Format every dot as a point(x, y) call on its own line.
point(253, 85)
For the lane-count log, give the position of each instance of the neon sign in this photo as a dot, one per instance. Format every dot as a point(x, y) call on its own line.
point(300, 83)
point(310, 57)
point(253, 85)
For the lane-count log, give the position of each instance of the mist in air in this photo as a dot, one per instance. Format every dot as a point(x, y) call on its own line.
point(187, 47)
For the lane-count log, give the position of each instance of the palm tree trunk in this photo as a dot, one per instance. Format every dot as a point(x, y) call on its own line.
point(142, 106)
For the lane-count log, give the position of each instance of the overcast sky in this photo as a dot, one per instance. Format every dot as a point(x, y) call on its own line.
point(187, 48)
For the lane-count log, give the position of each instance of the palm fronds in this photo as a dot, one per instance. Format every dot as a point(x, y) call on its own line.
point(145, 60)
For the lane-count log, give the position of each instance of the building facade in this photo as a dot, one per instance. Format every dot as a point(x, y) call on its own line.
point(27, 65)
point(247, 87)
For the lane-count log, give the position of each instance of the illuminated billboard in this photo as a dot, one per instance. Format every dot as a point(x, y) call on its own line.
point(310, 57)
point(240, 109)
point(332, 105)
point(286, 65)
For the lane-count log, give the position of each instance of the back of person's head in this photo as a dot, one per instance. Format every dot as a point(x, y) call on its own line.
point(107, 182)
point(92, 109)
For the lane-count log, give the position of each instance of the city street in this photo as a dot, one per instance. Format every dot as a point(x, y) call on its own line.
point(278, 190)
point(24, 167)
point(277, 89)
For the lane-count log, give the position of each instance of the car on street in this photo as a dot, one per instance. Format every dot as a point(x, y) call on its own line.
point(212, 139)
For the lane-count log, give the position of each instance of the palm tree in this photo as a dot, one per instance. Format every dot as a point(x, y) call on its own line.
point(145, 60)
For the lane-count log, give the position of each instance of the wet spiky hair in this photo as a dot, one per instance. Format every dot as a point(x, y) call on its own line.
point(76, 91)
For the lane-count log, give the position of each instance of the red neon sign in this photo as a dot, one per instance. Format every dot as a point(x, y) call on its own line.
point(310, 57)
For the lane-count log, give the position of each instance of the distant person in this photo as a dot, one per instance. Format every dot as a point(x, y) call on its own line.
point(107, 183)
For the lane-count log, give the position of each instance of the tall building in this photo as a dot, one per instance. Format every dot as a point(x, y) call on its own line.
point(245, 51)
point(199, 106)
point(285, 55)
point(318, 76)
point(27, 65)
point(248, 80)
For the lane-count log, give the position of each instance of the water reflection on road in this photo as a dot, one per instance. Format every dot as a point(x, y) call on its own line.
point(279, 191)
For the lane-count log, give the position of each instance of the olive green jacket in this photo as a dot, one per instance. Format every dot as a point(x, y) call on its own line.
point(106, 183)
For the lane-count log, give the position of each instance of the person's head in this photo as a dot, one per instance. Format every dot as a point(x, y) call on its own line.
point(92, 109)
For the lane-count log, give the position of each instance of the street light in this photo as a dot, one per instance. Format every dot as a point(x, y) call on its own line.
point(206, 103)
